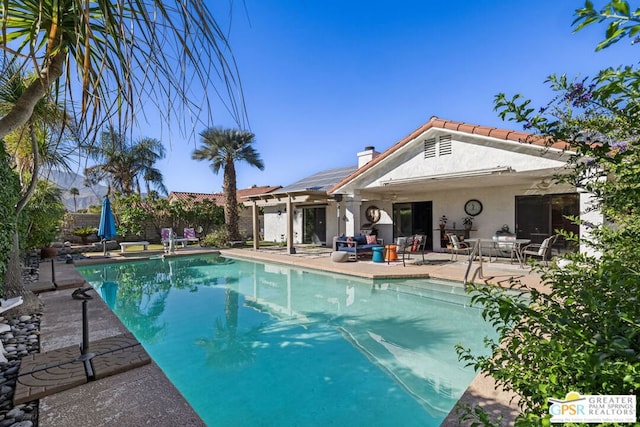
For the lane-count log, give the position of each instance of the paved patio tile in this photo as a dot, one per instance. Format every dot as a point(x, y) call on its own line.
point(58, 370)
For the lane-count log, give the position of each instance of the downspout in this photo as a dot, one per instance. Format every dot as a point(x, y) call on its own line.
point(290, 248)
point(256, 226)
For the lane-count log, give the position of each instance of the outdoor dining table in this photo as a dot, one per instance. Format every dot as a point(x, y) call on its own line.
point(517, 243)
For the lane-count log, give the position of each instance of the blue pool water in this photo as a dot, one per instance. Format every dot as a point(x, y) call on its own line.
point(249, 343)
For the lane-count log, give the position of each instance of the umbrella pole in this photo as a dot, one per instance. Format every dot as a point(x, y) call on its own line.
point(104, 247)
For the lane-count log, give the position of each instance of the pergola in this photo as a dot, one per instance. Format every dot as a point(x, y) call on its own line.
point(291, 199)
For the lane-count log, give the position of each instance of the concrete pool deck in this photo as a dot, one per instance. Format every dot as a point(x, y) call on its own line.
point(144, 396)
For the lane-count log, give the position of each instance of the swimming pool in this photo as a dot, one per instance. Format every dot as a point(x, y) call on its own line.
point(249, 343)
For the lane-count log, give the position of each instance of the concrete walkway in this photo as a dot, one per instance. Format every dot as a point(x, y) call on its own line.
point(141, 396)
point(144, 396)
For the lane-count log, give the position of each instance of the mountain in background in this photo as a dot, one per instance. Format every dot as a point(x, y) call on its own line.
point(88, 196)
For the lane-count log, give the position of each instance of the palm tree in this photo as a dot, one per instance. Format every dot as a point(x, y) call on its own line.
point(74, 192)
point(124, 164)
point(118, 56)
point(40, 141)
point(224, 147)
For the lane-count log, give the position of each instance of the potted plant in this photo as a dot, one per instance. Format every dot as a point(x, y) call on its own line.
point(443, 221)
point(84, 233)
point(467, 222)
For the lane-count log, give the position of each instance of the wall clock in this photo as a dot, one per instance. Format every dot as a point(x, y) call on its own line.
point(372, 214)
point(473, 207)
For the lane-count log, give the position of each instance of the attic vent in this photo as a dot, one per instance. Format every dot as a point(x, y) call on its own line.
point(429, 148)
point(445, 145)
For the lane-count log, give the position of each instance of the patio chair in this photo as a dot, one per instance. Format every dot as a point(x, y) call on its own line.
point(403, 247)
point(190, 235)
point(459, 247)
point(541, 250)
point(416, 245)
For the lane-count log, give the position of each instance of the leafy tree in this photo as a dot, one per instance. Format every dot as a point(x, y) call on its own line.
point(123, 163)
point(223, 148)
point(134, 211)
point(197, 213)
point(584, 334)
point(110, 58)
point(131, 214)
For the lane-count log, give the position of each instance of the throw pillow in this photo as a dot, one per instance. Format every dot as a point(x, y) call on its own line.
point(350, 241)
point(371, 240)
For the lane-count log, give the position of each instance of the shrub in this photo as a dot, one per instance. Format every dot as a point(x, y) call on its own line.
point(84, 233)
point(41, 218)
point(217, 238)
point(9, 194)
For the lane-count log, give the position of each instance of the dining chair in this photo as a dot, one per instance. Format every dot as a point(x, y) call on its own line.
point(541, 250)
point(458, 247)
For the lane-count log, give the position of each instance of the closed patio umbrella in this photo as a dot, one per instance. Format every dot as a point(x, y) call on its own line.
point(107, 229)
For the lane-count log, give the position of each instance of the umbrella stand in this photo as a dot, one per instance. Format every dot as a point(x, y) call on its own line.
point(85, 355)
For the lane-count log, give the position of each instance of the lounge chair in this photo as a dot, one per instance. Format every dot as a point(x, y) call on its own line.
point(165, 237)
point(189, 234)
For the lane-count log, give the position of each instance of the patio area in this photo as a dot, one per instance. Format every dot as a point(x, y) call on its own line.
point(143, 394)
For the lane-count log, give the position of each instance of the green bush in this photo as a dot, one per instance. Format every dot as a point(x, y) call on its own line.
point(217, 238)
point(41, 218)
point(9, 194)
point(84, 233)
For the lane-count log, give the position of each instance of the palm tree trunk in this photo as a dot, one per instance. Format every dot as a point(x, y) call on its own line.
point(231, 201)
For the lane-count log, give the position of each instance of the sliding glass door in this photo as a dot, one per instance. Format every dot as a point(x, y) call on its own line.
point(538, 217)
point(314, 225)
point(413, 218)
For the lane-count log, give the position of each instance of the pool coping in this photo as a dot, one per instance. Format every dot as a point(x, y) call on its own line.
point(145, 393)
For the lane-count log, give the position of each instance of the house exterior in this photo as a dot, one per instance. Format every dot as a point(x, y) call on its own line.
point(497, 179)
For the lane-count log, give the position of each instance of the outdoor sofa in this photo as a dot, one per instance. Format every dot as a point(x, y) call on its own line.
point(357, 245)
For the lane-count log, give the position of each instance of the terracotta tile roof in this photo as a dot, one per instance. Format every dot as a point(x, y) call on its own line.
point(242, 194)
point(196, 197)
point(436, 122)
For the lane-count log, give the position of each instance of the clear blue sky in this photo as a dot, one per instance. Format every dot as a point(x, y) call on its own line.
point(324, 79)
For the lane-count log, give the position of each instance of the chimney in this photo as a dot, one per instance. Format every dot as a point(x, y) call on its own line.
point(367, 155)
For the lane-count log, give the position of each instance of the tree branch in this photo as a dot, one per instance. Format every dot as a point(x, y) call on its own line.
point(23, 108)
